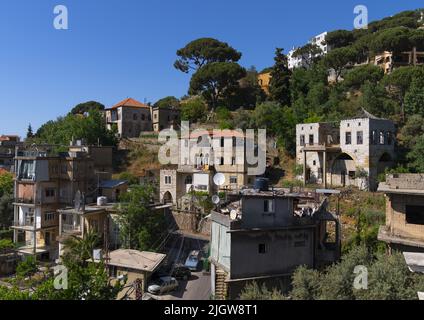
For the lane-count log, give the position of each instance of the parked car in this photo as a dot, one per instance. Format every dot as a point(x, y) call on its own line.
point(181, 272)
point(193, 260)
point(163, 285)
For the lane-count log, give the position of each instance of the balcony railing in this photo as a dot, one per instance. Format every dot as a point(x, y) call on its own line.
point(24, 223)
point(70, 228)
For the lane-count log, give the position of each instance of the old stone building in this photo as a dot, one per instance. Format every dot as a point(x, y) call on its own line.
point(165, 117)
point(200, 160)
point(131, 117)
point(404, 228)
point(352, 152)
point(7, 150)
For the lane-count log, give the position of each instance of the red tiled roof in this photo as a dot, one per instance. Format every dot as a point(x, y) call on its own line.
point(129, 102)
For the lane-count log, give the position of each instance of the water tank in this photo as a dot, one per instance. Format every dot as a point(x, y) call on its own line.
point(101, 201)
point(261, 184)
point(97, 254)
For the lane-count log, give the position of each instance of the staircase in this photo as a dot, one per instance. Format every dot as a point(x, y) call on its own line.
point(221, 287)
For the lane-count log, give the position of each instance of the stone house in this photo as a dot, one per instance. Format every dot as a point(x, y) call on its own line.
point(165, 117)
point(352, 152)
point(130, 116)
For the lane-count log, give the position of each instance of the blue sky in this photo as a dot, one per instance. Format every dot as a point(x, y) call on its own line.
point(117, 49)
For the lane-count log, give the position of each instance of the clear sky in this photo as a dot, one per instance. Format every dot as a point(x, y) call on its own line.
point(116, 49)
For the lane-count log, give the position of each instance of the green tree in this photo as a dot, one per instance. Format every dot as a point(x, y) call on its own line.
point(339, 38)
point(88, 106)
point(26, 268)
point(279, 86)
point(169, 101)
point(194, 109)
point(356, 77)
point(414, 98)
point(306, 284)
point(339, 59)
point(415, 156)
point(6, 183)
point(81, 249)
point(6, 210)
point(310, 53)
point(202, 51)
point(253, 291)
point(215, 81)
point(140, 227)
point(29, 134)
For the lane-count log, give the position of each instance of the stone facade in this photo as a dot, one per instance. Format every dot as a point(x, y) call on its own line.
point(165, 118)
point(353, 152)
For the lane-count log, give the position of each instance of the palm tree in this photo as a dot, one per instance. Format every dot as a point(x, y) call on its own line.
point(81, 249)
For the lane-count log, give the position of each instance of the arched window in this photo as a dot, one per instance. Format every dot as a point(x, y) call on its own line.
point(382, 137)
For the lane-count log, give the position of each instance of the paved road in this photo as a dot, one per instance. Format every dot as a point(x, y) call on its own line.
point(197, 288)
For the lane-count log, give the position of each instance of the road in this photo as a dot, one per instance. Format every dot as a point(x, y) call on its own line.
point(198, 287)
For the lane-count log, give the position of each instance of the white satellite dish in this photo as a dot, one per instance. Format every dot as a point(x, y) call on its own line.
point(215, 199)
point(233, 214)
point(219, 179)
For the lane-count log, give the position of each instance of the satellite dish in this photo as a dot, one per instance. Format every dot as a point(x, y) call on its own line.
point(219, 179)
point(233, 214)
point(215, 199)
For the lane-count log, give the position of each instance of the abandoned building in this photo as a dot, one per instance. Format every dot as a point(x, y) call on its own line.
point(47, 181)
point(352, 152)
point(404, 228)
point(7, 151)
point(388, 60)
point(165, 117)
point(195, 172)
point(130, 117)
point(266, 234)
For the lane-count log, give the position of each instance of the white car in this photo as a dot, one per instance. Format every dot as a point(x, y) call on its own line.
point(165, 284)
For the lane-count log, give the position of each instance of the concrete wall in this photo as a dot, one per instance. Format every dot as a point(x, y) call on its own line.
point(396, 216)
point(285, 250)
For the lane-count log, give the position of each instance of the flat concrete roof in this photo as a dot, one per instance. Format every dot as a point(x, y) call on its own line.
point(384, 187)
point(415, 261)
point(134, 259)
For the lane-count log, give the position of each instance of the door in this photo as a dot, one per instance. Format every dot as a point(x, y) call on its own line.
point(343, 178)
point(47, 238)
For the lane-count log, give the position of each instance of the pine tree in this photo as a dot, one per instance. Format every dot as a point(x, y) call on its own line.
point(279, 86)
point(30, 134)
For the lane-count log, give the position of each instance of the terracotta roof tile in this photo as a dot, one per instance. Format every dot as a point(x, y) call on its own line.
point(130, 102)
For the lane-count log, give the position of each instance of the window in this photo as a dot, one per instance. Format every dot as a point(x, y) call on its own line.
point(389, 138)
point(233, 161)
point(314, 163)
point(381, 137)
point(262, 248)
point(348, 138)
point(49, 193)
point(359, 137)
point(352, 174)
point(374, 137)
point(414, 214)
point(143, 117)
point(233, 179)
point(268, 206)
point(311, 139)
point(155, 116)
point(26, 169)
point(168, 179)
point(234, 141)
point(359, 124)
point(49, 216)
point(221, 161)
point(222, 142)
point(300, 243)
point(134, 116)
point(188, 180)
point(302, 139)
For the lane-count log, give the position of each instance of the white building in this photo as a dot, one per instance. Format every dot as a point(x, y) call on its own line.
point(301, 61)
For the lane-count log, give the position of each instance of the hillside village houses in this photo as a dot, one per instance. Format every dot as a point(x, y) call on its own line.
point(132, 118)
point(352, 152)
point(201, 156)
point(53, 191)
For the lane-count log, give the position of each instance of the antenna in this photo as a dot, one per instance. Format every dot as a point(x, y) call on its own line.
point(215, 199)
point(219, 179)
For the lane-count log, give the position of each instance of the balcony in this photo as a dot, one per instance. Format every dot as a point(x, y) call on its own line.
point(71, 229)
point(27, 201)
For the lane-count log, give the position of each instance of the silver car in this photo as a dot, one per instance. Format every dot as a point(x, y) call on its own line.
point(164, 284)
